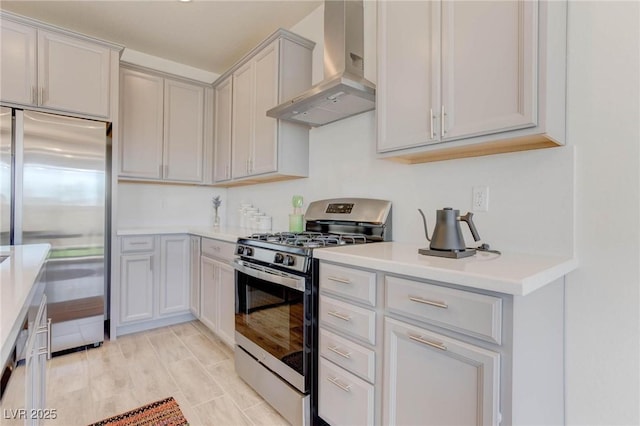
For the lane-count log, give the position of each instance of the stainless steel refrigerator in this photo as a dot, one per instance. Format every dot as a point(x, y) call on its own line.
point(54, 188)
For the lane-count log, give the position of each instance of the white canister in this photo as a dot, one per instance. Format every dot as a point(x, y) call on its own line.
point(264, 223)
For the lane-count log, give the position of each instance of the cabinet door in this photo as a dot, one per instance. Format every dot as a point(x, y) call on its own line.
point(227, 304)
point(406, 100)
point(141, 124)
point(18, 80)
point(435, 380)
point(209, 280)
point(222, 136)
point(194, 275)
point(136, 287)
point(488, 66)
point(264, 155)
point(174, 275)
point(183, 131)
point(73, 74)
point(242, 126)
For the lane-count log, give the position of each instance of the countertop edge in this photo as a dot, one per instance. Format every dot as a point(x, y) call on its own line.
point(515, 287)
point(223, 234)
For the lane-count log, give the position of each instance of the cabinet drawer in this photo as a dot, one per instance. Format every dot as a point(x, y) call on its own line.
point(343, 398)
point(352, 320)
point(218, 249)
point(137, 243)
point(348, 282)
point(476, 315)
point(348, 355)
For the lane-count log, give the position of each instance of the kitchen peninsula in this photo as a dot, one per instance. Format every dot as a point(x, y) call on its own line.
point(429, 340)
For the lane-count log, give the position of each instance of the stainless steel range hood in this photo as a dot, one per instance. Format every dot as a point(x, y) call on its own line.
point(344, 91)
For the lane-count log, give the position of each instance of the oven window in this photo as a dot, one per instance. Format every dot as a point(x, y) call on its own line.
point(272, 316)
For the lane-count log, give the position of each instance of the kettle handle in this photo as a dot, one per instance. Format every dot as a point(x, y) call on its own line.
point(424, 221)
point(472, 227)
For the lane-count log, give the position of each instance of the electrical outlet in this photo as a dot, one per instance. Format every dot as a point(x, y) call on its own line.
point(480, 199)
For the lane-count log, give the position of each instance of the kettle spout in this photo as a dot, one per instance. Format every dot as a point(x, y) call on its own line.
point(424, 221)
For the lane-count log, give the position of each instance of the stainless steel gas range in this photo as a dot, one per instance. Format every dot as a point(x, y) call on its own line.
point(277, 294)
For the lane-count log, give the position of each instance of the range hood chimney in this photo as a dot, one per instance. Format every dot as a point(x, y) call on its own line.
point(344, 91)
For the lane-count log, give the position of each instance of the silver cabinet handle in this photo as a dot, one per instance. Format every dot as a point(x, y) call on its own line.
point(340, 280)
point(45, 329)
point(34, 95)
point(335, 349)
point(335, 381)
point(420, 339)
point(343, 317)
point(429, 302)
point(432, 130)
point(442, 131)
point(137, 243)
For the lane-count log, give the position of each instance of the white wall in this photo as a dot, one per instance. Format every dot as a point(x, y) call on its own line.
point(145, 204)
point(602, 296)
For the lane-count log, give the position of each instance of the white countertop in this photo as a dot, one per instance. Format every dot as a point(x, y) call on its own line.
point(510, 273)
point(224, 234)
point(17, 277)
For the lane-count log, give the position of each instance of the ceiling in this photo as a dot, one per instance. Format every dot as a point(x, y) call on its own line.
point(207, 34)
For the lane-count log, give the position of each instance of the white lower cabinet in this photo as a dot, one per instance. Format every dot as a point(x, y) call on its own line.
point(209, 282)
point(194, 275)
point(153, 288)
point(431, 379)
point(174, 274)
point(345, 399)
point(432, 353)
point(217, 289)
point(348, 382)
point(136, 287)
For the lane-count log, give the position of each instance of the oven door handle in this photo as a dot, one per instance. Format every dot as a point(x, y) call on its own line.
point(268, 274)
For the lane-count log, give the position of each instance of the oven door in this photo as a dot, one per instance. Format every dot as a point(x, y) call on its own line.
point(270, 320)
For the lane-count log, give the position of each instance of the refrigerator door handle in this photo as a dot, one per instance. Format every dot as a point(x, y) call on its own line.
point(18, 167)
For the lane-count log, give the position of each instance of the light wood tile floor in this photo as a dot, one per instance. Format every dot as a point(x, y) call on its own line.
point(185, 361)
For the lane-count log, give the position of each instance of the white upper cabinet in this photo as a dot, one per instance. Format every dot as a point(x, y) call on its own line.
point(242, 133)
point(55, 70)
point(183, 131)
point(162, 128)
point(262, 148)
point(141, 124)
point(19, 78)
point(222, 130)
point(458, 79)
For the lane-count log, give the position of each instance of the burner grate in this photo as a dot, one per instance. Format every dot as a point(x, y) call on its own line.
point(310, 239)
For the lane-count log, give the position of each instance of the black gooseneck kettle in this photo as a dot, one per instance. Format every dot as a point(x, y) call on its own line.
point(447, 239)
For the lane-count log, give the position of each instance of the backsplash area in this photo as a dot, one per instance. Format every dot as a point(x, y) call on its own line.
point(142, 204)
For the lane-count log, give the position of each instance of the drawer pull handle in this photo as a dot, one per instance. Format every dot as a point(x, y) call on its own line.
point(420, 339)
point(335, 349)
point(137, 243)
point(335, 381)
point(429, 302)
point(336, 314)
point(339, 280)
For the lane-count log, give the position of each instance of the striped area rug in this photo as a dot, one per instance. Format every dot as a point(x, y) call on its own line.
point(165, 412)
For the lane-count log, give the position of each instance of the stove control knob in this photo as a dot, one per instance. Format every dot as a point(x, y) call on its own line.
point(289, 260)
point(248, 251)
point(240, 250)
point(279, 258)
